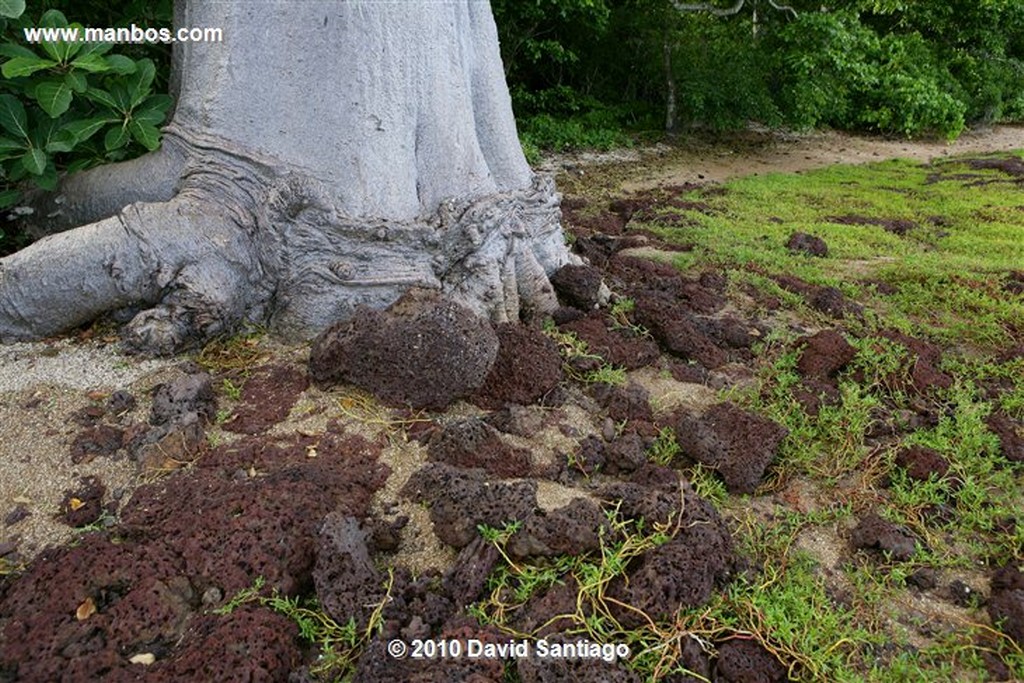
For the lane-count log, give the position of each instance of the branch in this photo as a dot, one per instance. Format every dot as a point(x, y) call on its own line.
point(783, 8)
point(708, 7)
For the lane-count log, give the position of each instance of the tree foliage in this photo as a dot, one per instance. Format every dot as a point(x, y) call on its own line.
point(890, 66)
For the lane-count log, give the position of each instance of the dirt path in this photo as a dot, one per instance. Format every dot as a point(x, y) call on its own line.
point(759, 151)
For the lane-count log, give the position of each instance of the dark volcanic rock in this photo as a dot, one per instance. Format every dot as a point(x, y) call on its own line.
point(460, 500)
point(824, 354)
point(741, 660)
point(569, 530)
point(1011, 435)
point(267, 398)
point(617, 346)
point(474, 443)
point(578, 286)
point(100, 440)
point(83, 505)
point(921, 462)
point(874, 533)
point(1006, 602)
point(423, 352)
point(348, 585)
point(677, 331)
point(684, 571)
point(925, 374)
point(527, 367)
point(808, 244)
point(535, 669)
point(737, 443)
point(176, 402)
point(631, 402)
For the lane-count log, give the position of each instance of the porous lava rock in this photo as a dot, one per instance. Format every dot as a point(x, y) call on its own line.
point(684, 571)
point(814, 394)
point(624, 403)
point(101, 440)
point(460, 500)
point(677, 331)
point(527, 367)
point(569, 530)
point(580, 286)
point(422, 352)
point(876, 534)
point(1006, 602)
point(619, 346)
point(737, 443)
point(83, 505)
point(807, 244)
point(465, 581)
point(742, 660)
point(1010, 433)
point(249, 644)
point(257, 488)
point(824, 354)
point(472, 443)
point(267, 397)
point(348, 585)
point(922, 462)
point(925, 374)
point(180, 412)
point(184, 399)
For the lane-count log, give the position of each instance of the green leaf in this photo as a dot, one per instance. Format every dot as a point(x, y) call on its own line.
point(25, 66)
point(138, 84)
point(146, 134)
point(10, 149)
point(153, 117)
point(12, 116)
point(160, 102)
point(100, 96)
point(76, 81)
point(54, 97)
point(121, 65)
point(9, 198)
point(116, 138)
point(12, 9)
point(63, 141)
point(47, 180)
point(92, 62)
point(84, 129)
point(34, 161)
point(15, 50)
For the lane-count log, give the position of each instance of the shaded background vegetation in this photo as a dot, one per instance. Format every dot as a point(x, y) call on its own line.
point(600, 73)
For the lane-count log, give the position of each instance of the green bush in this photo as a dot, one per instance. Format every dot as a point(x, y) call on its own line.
point(600, 129)
point(65, 106)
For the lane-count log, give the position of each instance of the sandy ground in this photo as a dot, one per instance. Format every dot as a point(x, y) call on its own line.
point(44, 385)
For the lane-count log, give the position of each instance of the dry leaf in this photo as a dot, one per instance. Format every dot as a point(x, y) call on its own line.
point(310, 451)
point(24, 500)
point(75, 504)
point(145, 658)
point(85, 610)
point(97, 395)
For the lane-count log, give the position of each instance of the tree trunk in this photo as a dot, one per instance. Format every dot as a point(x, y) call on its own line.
point(328, 154)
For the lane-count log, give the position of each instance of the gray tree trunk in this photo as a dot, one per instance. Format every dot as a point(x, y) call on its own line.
point(328, 154)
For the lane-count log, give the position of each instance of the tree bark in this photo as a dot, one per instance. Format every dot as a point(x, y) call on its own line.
point(327, 155)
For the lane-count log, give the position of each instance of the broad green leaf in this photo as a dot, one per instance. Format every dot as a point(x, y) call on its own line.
point(146, 134)
point(138, 84)
point(160, 102)
point(12, 116)
point(122, 98)
point(9, 198)
point(12, 9)
point(120, 64)
point(47, 180)
point(63, 141)
point(153, 117)
point(95, 49)
point(15, 50)
point(100, 96)
point(116, 138)
point(76, 81)
point(53, 19)
point(34, 161)
point(93, 63)
point(54, 97)
point(84, 129)
point(10, 149)
point(25, 66)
